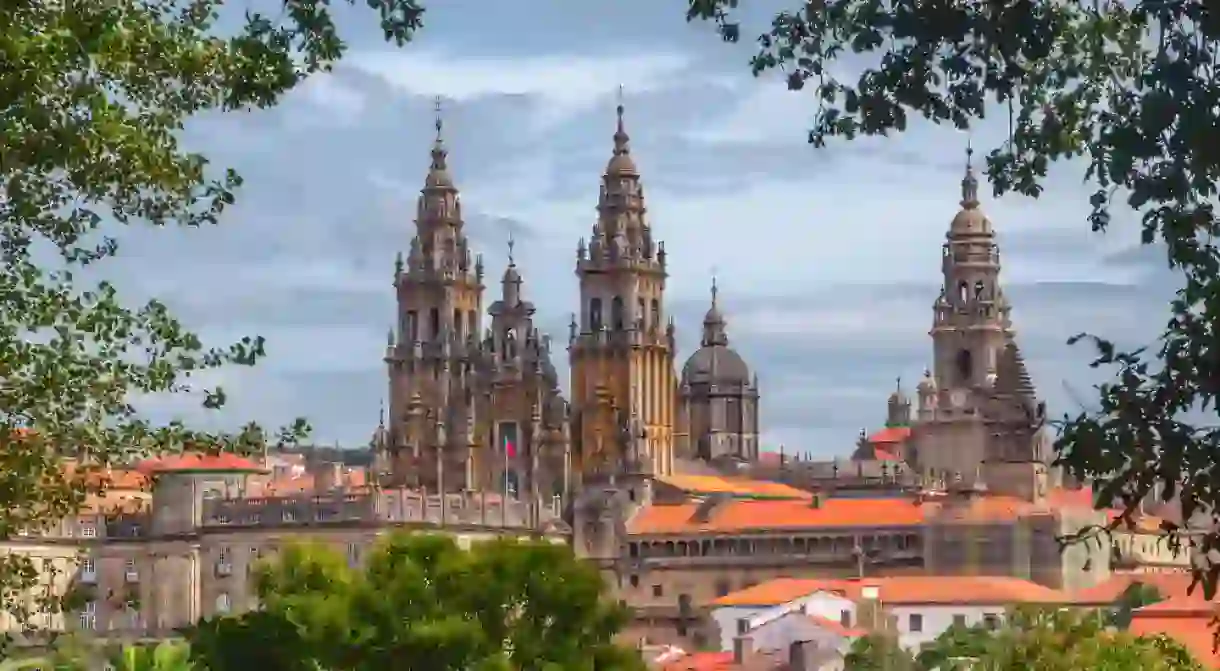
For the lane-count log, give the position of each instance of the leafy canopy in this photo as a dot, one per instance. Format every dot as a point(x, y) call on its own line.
point(1051, 640)
point(1127, 86)
point(524, 606)
point(93, 96)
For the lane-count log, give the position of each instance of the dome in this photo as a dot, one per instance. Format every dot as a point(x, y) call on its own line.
point(718, 364)
point(970, 221)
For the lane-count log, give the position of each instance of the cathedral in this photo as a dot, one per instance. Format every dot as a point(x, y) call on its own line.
point(476, 405)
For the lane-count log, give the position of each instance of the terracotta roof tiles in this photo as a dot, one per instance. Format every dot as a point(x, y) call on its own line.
point(890, 434)
point(193, 461)
point(1185, 620)
point(983, 590)
point(741, 487)
point(744, 515)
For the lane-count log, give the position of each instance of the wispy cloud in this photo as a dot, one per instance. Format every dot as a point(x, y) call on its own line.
point(559, 86)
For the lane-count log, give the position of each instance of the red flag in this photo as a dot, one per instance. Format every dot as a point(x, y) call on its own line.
point(509, 450)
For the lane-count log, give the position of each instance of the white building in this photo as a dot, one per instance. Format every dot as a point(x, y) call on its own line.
point(830, 613)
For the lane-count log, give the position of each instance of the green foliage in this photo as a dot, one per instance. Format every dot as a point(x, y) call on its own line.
point(1127, 85)
point(1051, 640)
point(164, 656)
point(878, 652)
point(1137, 595)
point(525, 606)
point(93, 96)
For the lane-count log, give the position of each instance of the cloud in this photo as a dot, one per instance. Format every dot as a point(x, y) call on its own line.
point(557, 86)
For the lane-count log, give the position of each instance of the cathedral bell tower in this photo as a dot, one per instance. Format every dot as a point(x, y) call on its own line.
point(621, 345)
point(432, 350)
point(970, 329)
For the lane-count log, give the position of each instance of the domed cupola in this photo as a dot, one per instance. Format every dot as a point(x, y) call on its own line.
point(715, 362)
point(719, 398)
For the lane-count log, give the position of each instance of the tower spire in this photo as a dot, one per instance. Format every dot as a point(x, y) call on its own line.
point(438, 172)
point(970, 183)
point(511, 243)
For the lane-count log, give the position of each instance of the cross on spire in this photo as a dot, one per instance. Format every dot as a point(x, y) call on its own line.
point(970, 184)
point(440, 123)
point(715, 289)
point(511, 244)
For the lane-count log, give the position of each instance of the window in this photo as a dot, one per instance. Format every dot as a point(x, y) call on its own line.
point(657, 591)
point(353, 553)
point(88, 570)
point(595, 315)
point(434, 316)
point(88, 530)
point(635, 581)
point(959, 620)
point(130, 572)
point(616, 313)
point(722, 587)
point(991, 621)
point(88, 616)
point(290, 515)
point(743, 626)
point(915, 623)
point(222, 603)
point(845, 618)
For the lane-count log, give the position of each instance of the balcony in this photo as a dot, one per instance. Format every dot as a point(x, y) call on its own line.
point(131, 576)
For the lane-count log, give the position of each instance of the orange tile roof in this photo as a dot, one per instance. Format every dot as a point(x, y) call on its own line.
point(195, 461)
point(744, 515)
point(701, 661)
point(776, 592)
point(890, 434)
point(983, 590)
point(1183, 619)
point(1169, 585)
point(742, 487)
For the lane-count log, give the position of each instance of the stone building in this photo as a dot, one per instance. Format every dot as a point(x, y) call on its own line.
point(470, 408)
point(718, 398)
point(176, 539)
point(653, 473)
point(958, 483)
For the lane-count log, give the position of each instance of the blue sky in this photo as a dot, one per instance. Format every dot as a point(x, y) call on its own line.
point(828, 260)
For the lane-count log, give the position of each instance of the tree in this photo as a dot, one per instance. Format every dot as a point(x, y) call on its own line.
point(877, 652)
point(1137, 595)
point(1131, 87)
point(92, 98)
point(1052, 640)
point(527, 606)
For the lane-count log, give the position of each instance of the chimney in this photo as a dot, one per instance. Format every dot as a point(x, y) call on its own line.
point(743, 647)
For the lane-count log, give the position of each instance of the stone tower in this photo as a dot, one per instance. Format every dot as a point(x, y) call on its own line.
point(718, 399)
point(523, 389)
point(968, 402)
point(621, 345)
point(430, 355)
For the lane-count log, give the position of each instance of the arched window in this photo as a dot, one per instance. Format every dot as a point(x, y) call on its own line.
point(434, 316)
point(656, 313)
point(473, 327)
point(616, 313)
point(595, 314)
point(963, 293)
point(978, 290)
point(223, 602)
point(641, 313)
point(965, 365)
point(457, 324)
point(412, 325)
